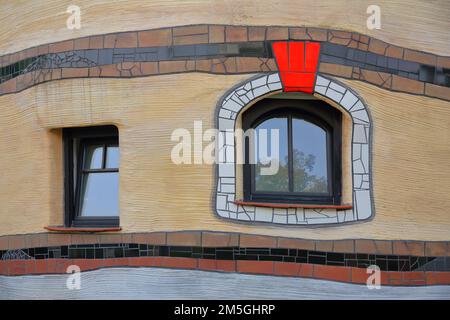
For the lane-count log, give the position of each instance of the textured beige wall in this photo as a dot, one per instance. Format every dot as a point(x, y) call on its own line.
point(31, 166)
point(417, 24)
point(411, 150)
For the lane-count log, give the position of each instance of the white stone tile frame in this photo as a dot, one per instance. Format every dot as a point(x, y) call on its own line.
point(234, 102)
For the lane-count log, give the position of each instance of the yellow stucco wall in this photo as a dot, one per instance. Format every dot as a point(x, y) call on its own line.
point(421, 25)
point(411, 144)
point(411, 148)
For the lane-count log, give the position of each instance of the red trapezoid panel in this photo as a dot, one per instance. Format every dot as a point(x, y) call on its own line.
point(297, 63)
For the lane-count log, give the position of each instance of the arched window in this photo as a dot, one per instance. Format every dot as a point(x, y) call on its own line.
point(308, 150)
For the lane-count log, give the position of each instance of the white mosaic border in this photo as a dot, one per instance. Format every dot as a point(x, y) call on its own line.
point(361, 167)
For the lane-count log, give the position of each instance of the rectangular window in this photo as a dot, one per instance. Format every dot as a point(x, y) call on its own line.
point(91, 156)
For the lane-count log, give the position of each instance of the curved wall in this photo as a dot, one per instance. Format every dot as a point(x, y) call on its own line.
point(418, 25)
point(411, 175)
point(407, 130)
point(151, 67)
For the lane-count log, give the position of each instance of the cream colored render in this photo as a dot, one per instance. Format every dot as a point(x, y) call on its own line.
point(410, 167)
point(421, 25)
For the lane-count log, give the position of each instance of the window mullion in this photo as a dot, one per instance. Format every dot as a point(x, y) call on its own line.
point(104, 157)
point(290, 155)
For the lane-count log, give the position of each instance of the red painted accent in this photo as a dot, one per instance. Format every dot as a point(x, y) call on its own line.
point(297, 63)
point(181, 263)
point(281, 55)
point(292, 205)
point(286, 269)
point(359, 275)
point(258, 267)
point(342, 274)
point(437, 278)
point(40, 266)
point(68, 230)
point(207, 264)
point(333, 273)
point(306, 270)
point(226, 265)
point(312, 56)
point(296, 81)
point(296, 56)
point(414, 275)
point(58, 265)
point(114, 262)
point(17, 268)
point(140, 261)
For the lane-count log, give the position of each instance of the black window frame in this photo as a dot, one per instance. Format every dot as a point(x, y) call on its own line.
point(75, 141)
point(315, 111)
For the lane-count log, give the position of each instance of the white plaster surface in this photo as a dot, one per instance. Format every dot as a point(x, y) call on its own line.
point(159, 283)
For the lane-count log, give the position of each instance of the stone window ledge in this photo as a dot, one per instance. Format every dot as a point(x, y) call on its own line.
point(89, 230)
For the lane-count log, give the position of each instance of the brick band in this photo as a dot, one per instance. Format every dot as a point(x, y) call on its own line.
point(224, 239)
point(225, 50)
point(404, 263)
point(414, 262)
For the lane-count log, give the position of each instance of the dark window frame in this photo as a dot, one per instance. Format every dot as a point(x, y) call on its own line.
point(75, 140)
point(314, 111)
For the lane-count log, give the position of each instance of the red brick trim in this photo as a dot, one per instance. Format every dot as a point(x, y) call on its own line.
point(340, 274)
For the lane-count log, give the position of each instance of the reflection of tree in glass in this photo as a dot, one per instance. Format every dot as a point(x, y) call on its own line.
point(276, 182)
point(304, 181)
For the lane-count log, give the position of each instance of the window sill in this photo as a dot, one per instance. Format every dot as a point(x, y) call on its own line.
point(91, 230)
point(293, 205)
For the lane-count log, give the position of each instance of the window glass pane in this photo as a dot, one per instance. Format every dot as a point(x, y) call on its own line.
point(93, 156)
point(277, 180)
point(100, 194)
point(112, 157)
point(309, 144)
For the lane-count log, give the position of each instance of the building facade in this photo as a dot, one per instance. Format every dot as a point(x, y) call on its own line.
point(372, 104)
